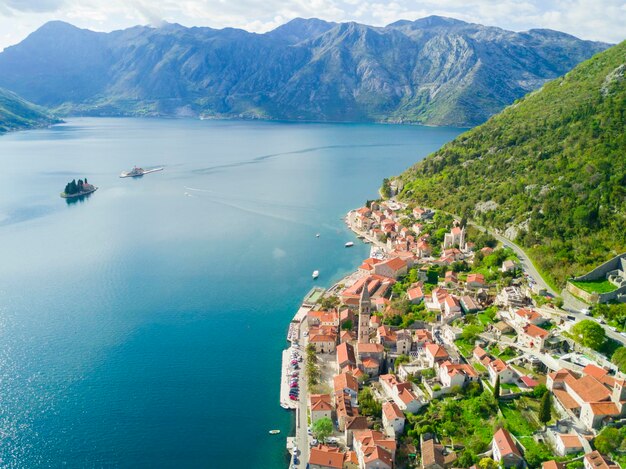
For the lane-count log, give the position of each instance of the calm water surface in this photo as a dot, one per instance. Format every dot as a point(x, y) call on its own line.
point(143, 326)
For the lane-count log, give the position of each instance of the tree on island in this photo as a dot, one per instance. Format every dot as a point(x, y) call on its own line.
point(322, 428)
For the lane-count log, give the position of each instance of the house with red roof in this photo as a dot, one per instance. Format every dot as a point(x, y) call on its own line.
point(595, 460)
point(533, 337)
point(345, 355)
point(505, 450)
point(386, 336)
point(401, 392)
point(374, 450)
point(325, 457)
point(320, 406)
point(393, 419)
point(346, 383)
point(498, 368)
point(475, 280)
point(435, 354)
point(451, 375)
point(391, 268)
point(323, 338)
point(479, 354)
point(524, 316)
point(568, 444)
point(594, 401)
point(415, 294)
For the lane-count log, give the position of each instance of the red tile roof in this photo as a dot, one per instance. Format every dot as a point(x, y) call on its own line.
point(345, 354)
point(345, 381)
point(535, 331)
point(326, 457)
point(502, 439)
point(392, 411)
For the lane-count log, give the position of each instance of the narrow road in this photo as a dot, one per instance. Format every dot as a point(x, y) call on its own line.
point(302, 437)
point(526, 264)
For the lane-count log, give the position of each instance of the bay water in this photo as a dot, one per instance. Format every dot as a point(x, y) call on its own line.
point(143, 326)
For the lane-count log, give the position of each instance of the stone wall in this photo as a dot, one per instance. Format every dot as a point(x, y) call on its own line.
point(601, 271)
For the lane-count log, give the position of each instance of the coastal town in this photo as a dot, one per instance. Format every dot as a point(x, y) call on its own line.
point(443, 351)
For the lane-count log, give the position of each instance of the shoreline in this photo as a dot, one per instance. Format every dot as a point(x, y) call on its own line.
point(297, 339)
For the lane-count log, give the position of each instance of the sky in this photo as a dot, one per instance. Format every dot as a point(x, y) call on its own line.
point(602, 20)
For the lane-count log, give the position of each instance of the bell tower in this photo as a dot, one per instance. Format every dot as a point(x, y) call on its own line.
point(365, 310)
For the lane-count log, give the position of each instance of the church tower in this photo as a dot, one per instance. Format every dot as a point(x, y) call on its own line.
point(365, 309)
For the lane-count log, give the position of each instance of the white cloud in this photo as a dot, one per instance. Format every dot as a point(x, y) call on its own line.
point(589, 19)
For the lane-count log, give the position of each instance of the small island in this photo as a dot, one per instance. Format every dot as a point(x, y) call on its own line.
point(77, 189)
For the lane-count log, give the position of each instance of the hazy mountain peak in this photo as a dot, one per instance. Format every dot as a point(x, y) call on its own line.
point(300, 29)
point(429, 22)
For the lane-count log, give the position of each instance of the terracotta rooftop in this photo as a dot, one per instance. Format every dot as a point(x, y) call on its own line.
point(432, 453)
point(565, 399)
point(326, 456)
point(503, 440)
point(345, 381)
point(535, 331)
point(588, 388)
point(345, 354)
point(570, 441)
point(597, 461)
point(392, 411)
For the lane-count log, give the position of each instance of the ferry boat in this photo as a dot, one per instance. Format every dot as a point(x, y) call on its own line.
point(349, 244)
point(136, 171)
point(316, 273)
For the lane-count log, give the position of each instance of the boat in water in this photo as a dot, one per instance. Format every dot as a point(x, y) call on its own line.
point(136, 171)
point(317, 235)
point(274, 432)
point(316, 273)
point(349, 244)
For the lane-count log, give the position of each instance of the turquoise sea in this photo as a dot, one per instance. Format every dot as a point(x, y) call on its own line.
point(142, 327)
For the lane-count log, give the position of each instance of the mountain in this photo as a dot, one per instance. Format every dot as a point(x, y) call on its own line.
point(434, 70)
point(550, 170)
point(18, 114)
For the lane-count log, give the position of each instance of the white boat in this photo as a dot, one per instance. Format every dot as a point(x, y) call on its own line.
point(317, 235)
point(316, 273)
point(349, 244)
point(274, 432)
point(136, 172)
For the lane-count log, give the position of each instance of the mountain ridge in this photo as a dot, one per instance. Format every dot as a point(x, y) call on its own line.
point(549, 170)
point(434, 70)
point(19, 114)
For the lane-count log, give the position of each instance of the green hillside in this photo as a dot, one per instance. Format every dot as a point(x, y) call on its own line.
point(552, 167)
point(17, 113)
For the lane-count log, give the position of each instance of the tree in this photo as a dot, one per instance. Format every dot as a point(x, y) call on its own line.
point(589, 333)
point(401, 360)
point(496, 388)
point(487, 463)
point(322, 428)
point(540, 390)
point(619, 358)
point(608, 440)
point(347, 325)
point(545, 409)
